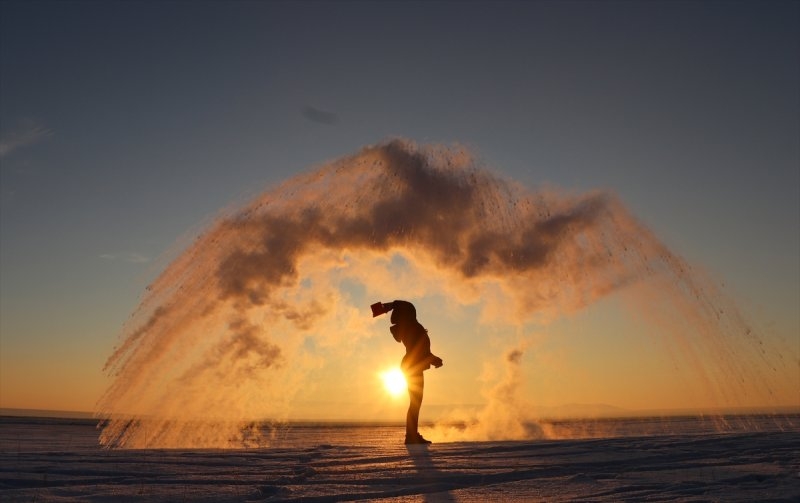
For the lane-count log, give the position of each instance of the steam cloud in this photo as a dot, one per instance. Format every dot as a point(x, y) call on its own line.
point(218, 338)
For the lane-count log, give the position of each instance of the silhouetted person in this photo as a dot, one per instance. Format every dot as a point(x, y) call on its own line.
point(418, 358)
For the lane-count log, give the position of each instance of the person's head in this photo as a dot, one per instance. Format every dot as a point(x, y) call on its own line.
point(403, 312)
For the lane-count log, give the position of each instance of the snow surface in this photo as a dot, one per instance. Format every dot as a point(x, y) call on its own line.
point(60, 460)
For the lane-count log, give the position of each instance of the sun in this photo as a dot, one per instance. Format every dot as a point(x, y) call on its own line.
point(394, 381)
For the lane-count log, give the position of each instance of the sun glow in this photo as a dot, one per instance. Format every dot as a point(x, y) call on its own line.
point(394, 381)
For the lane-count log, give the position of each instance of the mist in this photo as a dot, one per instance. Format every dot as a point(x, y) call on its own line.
point(217, 341)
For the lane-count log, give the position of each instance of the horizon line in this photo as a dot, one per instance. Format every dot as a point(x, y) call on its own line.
point(619, 413)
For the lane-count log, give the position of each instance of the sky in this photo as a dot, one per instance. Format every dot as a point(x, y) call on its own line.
point(126, 127)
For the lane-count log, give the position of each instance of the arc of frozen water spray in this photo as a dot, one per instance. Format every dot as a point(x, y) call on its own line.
point(213, 339)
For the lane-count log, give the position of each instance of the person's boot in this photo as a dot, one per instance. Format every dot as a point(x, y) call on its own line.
point(416, 438)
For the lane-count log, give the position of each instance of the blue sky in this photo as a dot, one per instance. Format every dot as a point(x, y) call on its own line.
point(126, 126)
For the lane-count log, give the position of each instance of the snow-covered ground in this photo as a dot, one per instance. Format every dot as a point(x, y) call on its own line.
point(59, 460)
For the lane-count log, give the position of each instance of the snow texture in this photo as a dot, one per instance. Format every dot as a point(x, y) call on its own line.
point(61, 460)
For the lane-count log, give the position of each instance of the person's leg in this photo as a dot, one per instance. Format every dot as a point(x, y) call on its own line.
point(416, 385)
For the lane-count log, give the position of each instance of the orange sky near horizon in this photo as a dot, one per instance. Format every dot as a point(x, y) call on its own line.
point(602, 356)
